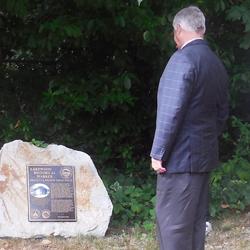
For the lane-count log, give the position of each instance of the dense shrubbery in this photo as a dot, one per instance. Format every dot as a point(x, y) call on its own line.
point(84, 74)
point(230, 183)
point(133, 204)
point(230, 189)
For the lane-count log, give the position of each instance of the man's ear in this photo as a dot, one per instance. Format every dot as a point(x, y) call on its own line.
point(178, 29)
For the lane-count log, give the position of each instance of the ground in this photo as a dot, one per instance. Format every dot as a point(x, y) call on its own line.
point(230, 233)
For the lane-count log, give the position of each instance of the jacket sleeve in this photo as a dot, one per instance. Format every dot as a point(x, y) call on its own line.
point(173, 96)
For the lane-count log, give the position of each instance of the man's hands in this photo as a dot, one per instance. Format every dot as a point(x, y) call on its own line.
point(157, 166)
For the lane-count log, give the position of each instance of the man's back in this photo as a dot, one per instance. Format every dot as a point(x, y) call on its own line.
point(194, 69)
point(210, 83)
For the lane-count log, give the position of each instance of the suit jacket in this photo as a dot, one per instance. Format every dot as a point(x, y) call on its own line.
point(192, 107)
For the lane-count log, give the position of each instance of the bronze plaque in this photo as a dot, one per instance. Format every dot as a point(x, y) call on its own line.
point(51, 193)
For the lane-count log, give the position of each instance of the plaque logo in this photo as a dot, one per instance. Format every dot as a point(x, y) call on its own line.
point(46, 214)
point(35, 214)
point(66, 172)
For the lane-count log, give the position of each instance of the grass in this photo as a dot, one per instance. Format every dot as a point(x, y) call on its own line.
point(229, 233)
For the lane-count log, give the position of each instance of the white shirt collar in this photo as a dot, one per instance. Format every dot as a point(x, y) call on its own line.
point(197, 38)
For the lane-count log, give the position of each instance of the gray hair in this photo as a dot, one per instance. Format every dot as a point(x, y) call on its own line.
point(190, 19)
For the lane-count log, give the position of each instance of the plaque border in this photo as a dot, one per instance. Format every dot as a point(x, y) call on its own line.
point(28, 195)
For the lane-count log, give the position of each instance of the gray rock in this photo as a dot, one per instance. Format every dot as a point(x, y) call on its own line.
point(94, 207)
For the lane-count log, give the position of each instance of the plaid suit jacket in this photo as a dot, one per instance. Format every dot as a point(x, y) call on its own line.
point(192, 107)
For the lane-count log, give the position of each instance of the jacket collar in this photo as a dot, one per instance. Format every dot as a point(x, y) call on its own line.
point(190, 42)
point(195, 42)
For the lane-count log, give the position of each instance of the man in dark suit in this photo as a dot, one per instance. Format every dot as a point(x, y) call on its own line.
point(192, 107)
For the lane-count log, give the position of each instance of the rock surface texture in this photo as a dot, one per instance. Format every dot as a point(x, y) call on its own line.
point(93, 204)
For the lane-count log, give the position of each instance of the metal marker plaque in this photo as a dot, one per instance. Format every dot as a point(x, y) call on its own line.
point(51, 193)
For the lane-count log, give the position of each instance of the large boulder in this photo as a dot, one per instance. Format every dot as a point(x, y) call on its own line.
point(93, 205)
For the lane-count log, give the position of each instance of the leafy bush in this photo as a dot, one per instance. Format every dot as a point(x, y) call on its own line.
point(230, 187)
point(15, 128)
point(134, 198)
point(38, 143)
point(134, 201)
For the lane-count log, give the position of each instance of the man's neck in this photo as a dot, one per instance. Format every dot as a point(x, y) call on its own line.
point(187, 41)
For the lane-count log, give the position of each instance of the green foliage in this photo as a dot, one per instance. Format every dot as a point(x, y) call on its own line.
point(134, 200)
point(17, 7)
point(241, 12)
point(38, 143)
point(12, 129)
point(133, 203)
point(230, 183)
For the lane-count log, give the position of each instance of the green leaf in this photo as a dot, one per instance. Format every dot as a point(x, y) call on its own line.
point(236, 13)
point(120, 21)
point(146, 36)
point(245, 42)
point(127, 82)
